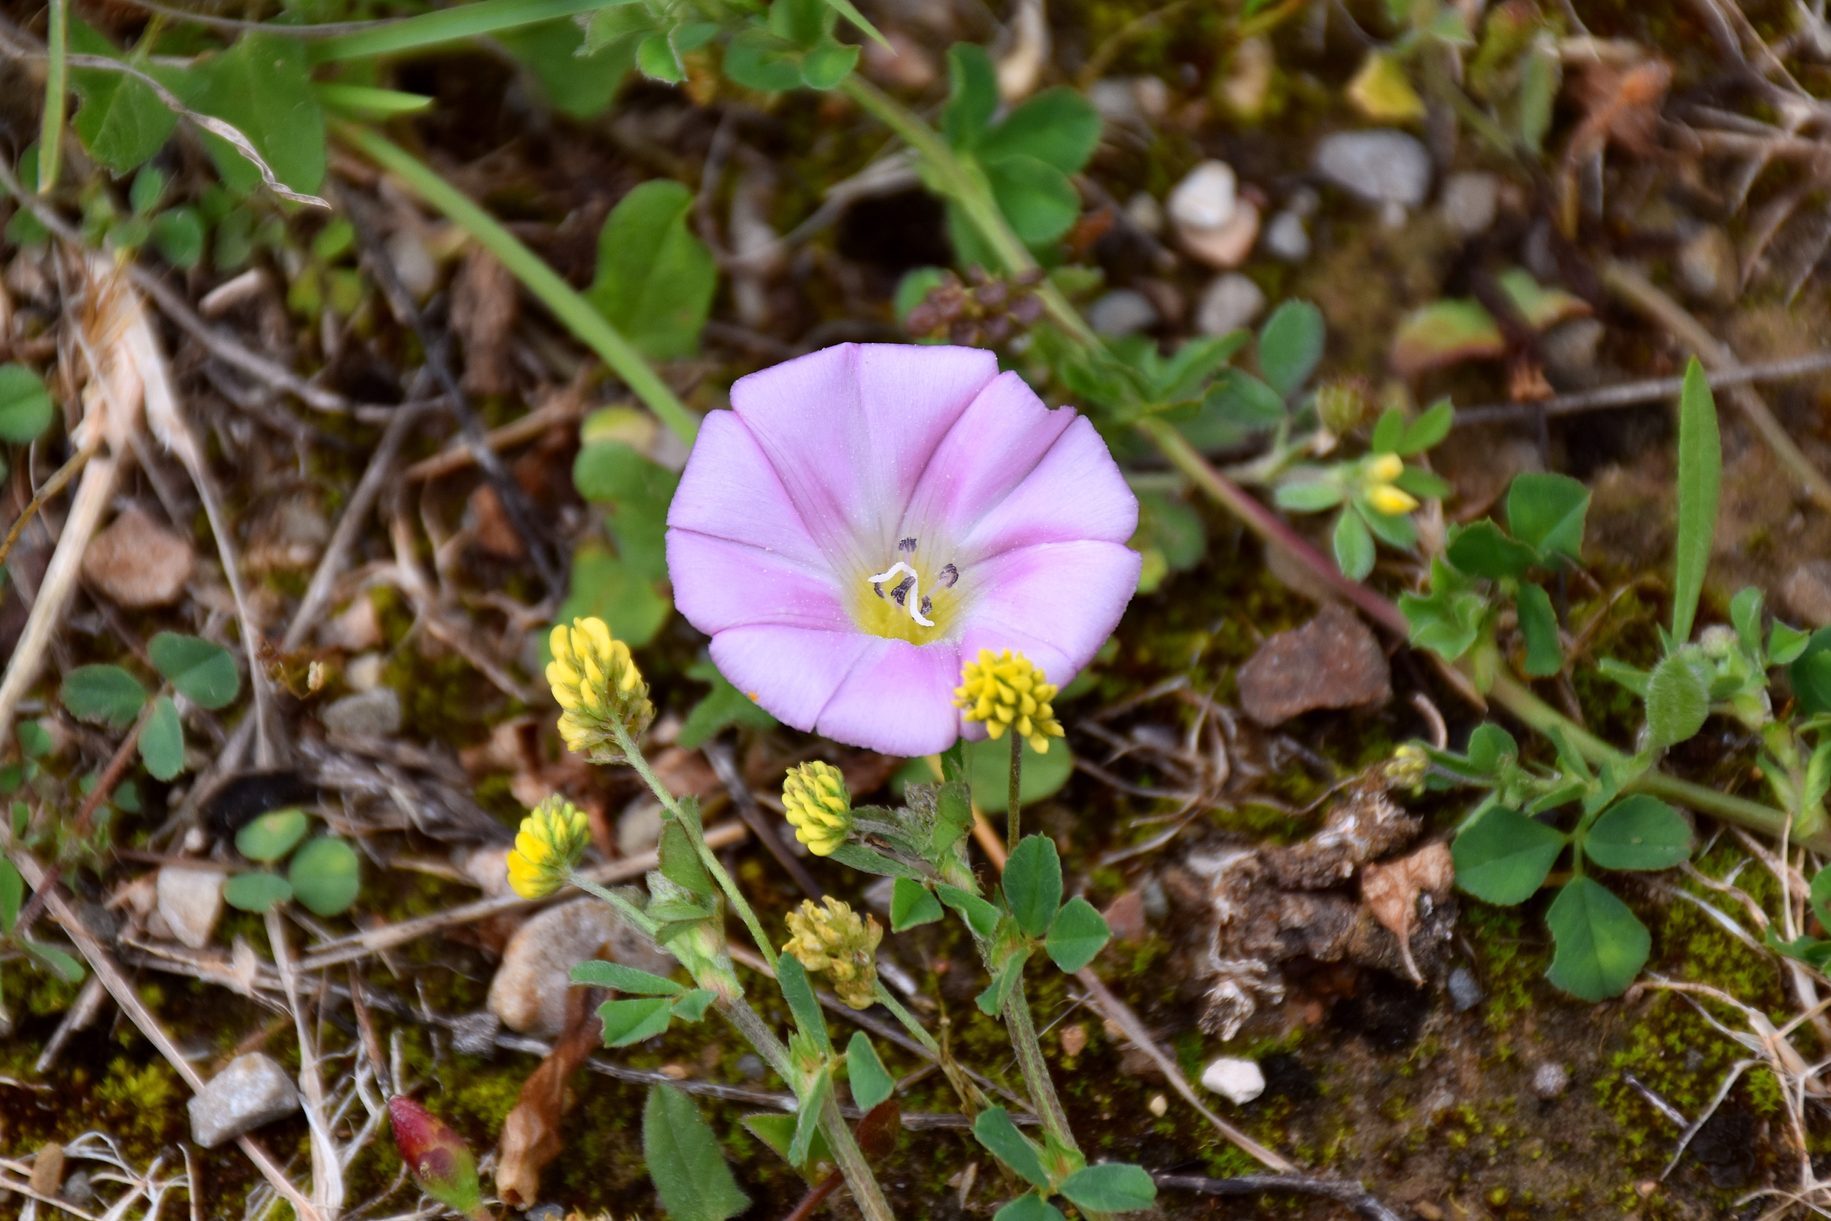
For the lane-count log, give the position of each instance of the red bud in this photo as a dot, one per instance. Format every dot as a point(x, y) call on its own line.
point(438, 1157)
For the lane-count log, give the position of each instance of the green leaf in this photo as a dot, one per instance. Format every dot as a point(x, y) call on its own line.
point(655, 280)
point(1538, 624)
point(871, 1081)
point(1028, 1207)
point(994, 1129)
point(1600, 945)
point(1678, 701)
point(980, 916)
point(798, 991)
point(269, 837)
point(162, 740)
point(262, 87)
point(1638, 832)
point(178, 235)
point(1312, 495)
point(1290, 346)
point(827, 66)
point(1538, 306)
point(778, 1132)
point(972, 96)
point(993, 996)
point(692, 1004)
point(616, 592)
point(848, 10)
point(807, 1115)
point(1810, 674)
point(627, 1022)
point(1491, 748)
point(256, 892)
point(723, 707)
point(1035, 197)
point(1110, 1187)
point(121, 122)
point(689, 1172)
point(1546, 512)
point(657, 60)
point(1427, 430)
point(1444, 333)
point(1448, 619)
point(1353, 545)
point(758, 59)
point(912, 905)
point(1077, 935)
point(988, 765)
point(680, 862)
point(1820, 895)
point(202, 671)
point(12, 896)
point(638, 492)
point(1237, 406)
point(1482, 549)
point(598, 973)
point(1700, 475)
point(25, 405)
point(1033, 884)
point(1502, 857)
point(103, 695)
point(326, 875)
point(1058, 127)
point(59, 962)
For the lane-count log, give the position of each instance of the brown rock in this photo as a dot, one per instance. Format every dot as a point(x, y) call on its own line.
point(1332, 661)
point(1807, 593)
point(1125, 916)
point(137, 562)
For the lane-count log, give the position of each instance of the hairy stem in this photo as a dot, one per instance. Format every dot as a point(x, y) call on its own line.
point(1035, 1069)
point(1014, 802)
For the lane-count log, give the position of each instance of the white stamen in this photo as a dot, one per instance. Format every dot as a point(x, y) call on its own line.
point(913, 603)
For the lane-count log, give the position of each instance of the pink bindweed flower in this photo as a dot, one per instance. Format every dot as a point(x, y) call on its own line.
point(867, 515)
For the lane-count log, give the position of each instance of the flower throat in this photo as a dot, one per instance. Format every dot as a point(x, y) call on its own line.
point(907, 601)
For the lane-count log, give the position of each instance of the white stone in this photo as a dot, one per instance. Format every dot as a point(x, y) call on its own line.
point(530, 987)
point(1471, 200)
point(639, 827)
point(366, 715)
point(1123, 311)
point(1381, 166)
point(190, 901)
point(1228, 304)
point(1287, 239)
point(253, 1090)
point(1237, 1080)
point(1206, 199)
point(1229, 245)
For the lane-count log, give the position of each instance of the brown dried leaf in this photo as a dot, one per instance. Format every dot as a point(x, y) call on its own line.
point(1390, 891)
point(483, 309)
point(532, 1135)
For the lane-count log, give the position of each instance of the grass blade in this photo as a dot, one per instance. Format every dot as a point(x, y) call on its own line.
point(1700, 477)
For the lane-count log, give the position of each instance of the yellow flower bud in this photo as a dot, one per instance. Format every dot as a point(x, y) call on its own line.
point(815, 800)
point(596, 682)
point(1392, 501)
point(1384, 468)
point(549, 844)
point(834, 942)
point(1407, 768)
point(1007, 691)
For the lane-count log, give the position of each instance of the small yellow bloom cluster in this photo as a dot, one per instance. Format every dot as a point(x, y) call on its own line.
point(1407, 768)
point(552, 838)
point(1382, 493)
point(596, 681)
point(1007, 691)
point(815, 799)
point(833, 941)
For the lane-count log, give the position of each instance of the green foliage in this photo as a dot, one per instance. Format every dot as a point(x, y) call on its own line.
point(162, 740)
point(599, 973)
point(325, 875)
point(1600, 945)
point(794, 47)
point(270, 836)
point(261, 86)
point(1033, 884)
point(25, 405)
point(104, 695)
point(1076, 935)
point(200, 670)
point(256, 892)
point(871, 1081)
point(655, 279)
point(681, 1151)
point(993, 1128)
point(1700, 476)
point(798, 991)
point(1639, 832)
point(1450, 331)
point(1502, 856)
point(1290, 346)
point(1110, 1187)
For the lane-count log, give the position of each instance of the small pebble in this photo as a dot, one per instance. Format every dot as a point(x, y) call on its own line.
point(1074, 1039)
point(530, 987)
point(639, 827)
point(1465, 992)
point(1707, 267)
point(1228, 304)
point(1550, 1080)
point(474, 1034)
point(190, 901)
point(1237, 1080)
point(1333, 661)
point(1287, 239)
point(1471, 200)
point(750, 1067)
point(138, 562)
point(1807, 593)
point(1381, 166)
point(1206, 198)
point(1158, 1105)
point(364, 672)
point(1122, 312)
point(253, 1090)
point(365, 716)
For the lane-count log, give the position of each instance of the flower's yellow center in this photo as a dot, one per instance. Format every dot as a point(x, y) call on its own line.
point(911, 598)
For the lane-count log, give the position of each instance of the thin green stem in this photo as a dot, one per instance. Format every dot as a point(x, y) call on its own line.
point(1014, 802)
point(634, 916)
point(565, 302)
point(441, 26)
point(1035, 1069)
point(689, 823)
point(916, 1030)
point(51, 130)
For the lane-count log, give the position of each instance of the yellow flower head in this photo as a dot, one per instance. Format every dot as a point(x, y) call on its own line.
point(552, 838)
point(1407, 768)
point(596, 682)
point(833, 941)
point(1007, 691)
point(1391, 500)
point(815, 800)
point(1384, 468)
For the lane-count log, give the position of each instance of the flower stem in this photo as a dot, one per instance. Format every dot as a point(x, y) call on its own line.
point(1014, 802)
point(1035, 1069)
point(960, 183)
point(851, 1159)
point(633, 755)
point(632, 915)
